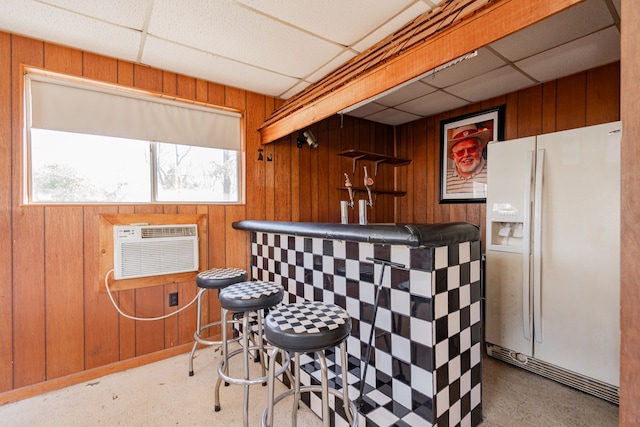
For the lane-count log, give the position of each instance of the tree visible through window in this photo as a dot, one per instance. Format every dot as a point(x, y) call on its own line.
point(78, 168)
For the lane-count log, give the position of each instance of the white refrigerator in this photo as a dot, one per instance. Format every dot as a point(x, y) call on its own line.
point(552, 256)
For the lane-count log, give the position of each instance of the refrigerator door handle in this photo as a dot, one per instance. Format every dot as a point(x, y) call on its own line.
point(537, 248)
point(526, 249)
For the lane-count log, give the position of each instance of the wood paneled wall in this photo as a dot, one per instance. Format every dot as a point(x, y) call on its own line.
point(54, 322)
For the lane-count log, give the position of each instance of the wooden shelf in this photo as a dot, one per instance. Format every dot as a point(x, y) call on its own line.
point(360, 189)
point(374, 157)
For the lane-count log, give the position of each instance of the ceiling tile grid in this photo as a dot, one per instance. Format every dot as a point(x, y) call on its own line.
point(279, 47)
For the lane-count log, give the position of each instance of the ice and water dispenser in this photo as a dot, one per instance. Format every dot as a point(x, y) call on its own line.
point(507, 228)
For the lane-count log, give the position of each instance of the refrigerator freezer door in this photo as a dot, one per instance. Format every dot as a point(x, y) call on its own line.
point(508, 295)
point(580, 251)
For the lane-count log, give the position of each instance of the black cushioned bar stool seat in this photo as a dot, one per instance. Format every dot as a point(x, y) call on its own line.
point(251, 296)
point(247, 298)
point(218, 278)
point(307, 327)
point(215, 278)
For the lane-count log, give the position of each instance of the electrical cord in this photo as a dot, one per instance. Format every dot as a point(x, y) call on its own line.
point(123, 314)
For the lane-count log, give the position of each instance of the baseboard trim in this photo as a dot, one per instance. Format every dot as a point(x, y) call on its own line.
point(91, 374)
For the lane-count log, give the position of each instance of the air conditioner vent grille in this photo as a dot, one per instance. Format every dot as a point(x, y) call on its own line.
point(154, 250)
point(177, 231)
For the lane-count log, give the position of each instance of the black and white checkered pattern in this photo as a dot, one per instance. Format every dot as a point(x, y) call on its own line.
point(312, 317)
point(425, 368)
point(250, 296)
point(251, 290)
point(307, 326)
point(217, 278)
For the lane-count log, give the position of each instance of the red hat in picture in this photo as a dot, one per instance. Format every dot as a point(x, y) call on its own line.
point(466, 132)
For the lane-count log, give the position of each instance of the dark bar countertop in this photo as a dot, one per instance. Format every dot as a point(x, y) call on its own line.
point(412, 235)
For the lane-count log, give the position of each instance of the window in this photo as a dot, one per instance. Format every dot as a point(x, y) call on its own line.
point(88, 143)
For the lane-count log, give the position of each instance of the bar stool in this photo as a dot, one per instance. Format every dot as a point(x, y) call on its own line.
point(307, 327)
point(215, 278)
point(247, 298)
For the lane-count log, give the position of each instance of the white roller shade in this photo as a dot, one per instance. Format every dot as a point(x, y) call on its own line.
point(82, 108)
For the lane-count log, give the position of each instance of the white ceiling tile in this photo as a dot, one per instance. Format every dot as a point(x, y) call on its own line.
point(494, 83)
point(337, 20)
point(332, 65)
point(432, 103)
point(412, 91)
point(582, 19)
point(297, 88)
point(393, 25)
point(367, 109)
point(392, 117)
point(249, 37)
point(483, 62)
point(168, 56)
point(45, 22)
point(597, 49)
point(127, 13)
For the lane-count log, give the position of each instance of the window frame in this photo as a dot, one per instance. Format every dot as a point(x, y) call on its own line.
point(27, 175)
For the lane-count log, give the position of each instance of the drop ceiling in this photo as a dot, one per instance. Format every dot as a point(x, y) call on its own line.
point(280, 47)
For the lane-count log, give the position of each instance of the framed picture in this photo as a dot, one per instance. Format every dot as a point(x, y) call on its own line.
point(463, 154)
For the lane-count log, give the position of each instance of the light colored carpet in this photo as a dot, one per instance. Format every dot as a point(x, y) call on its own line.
point(162, 394)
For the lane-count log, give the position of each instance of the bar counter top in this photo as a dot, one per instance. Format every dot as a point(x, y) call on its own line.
point(411, 235)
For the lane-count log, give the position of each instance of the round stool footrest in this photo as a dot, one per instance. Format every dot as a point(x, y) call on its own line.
point(258, 380)
point(196, 335)
point(307, 389)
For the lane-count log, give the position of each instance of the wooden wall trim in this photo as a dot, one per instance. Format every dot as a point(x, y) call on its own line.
point(105, 233)
point(630, 217)
point(497, 20)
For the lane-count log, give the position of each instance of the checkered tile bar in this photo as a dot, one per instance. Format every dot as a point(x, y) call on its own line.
point(425, 368)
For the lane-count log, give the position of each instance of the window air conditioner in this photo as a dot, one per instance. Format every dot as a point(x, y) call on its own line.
point(154, 250)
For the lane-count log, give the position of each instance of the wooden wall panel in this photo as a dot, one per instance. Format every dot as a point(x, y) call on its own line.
point(630, 221)
point(255, 169)
point(432, 176)
point(28, 241)
point(64, 302)
point(279, 177)
point(6, 295)
point(571, 102)
point(417, 182)
point(530, 111)
point(333, 167)
point(603, 103)
point(101, 320)
point(149, 335)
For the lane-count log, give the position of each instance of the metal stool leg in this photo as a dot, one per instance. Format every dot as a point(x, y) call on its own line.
point(197, 333)
point(225, 359)
point(245, 351)
point(345, 384)
point(325, 387)
point(271, 385)
point(261, 346)
point(296, 392)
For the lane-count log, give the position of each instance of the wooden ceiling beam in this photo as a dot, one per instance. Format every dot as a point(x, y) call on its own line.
point(494, 20)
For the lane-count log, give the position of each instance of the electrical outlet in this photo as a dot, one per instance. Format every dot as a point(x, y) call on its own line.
point(173, 299)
